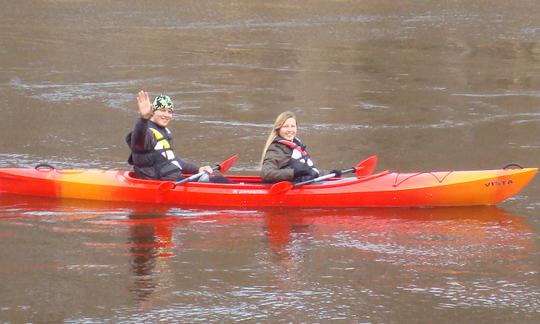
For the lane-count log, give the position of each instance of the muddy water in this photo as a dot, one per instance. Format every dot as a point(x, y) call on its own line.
point(424, 85)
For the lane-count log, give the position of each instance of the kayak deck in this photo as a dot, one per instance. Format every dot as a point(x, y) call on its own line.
point(383, 189)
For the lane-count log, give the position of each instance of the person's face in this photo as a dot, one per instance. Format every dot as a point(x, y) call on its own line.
point(162, 117)
point(288, 130)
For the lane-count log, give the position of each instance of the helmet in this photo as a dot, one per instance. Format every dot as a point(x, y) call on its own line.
point(162, 102)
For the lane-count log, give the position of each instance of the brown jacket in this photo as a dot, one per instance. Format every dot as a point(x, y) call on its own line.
point(277, 164)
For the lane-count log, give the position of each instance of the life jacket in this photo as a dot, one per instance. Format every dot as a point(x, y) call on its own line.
point(158, 163)
point(299, 154)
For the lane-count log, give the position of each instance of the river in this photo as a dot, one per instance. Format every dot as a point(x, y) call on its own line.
point(424, 85)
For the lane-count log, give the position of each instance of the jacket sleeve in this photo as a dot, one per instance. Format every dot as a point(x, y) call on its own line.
point(141, 139)
point(188, 167)
point(276, 165)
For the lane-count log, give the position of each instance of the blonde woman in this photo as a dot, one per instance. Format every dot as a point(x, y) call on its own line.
point(284, 156)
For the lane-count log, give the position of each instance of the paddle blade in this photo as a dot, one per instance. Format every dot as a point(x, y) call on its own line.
point(227, 164)
point(366, 167)
point(281, 187)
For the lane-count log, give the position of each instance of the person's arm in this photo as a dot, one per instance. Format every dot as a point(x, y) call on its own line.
point(140, 141)
point(276, 166)
point(189, 167)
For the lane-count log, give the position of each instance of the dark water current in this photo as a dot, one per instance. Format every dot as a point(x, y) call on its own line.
point(425, 85)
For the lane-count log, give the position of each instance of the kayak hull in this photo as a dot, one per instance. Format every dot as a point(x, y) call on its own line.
point(384, 189)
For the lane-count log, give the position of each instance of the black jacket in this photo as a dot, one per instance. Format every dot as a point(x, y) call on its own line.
point(150, 162)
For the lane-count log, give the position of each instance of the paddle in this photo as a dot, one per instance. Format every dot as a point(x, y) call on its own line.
point(362, 169)
point(223, 167)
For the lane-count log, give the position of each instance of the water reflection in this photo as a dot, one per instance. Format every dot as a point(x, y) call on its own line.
point(457, 255)
point(150, 228)
point(146, 232)
point(422, 236)
point(448, 257)
point(150, 242)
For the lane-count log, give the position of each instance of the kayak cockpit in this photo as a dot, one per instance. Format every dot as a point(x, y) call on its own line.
point(245, 180)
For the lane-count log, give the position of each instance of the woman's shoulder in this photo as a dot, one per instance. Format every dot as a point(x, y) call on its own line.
point(277, 151)
point(279, 147)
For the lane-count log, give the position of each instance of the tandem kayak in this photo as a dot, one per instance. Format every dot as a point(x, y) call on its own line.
point(382, 189)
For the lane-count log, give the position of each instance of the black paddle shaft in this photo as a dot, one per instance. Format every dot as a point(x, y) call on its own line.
point(324, 177)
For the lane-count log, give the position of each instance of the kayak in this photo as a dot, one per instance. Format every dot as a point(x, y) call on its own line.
point(382, 189)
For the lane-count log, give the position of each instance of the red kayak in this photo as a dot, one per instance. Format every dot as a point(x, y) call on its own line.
point(382, 189)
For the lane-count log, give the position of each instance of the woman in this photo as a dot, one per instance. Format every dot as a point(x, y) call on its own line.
point(284, 157)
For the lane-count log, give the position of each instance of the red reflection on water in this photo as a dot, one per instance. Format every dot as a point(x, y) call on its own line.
point(421, 238)
point(149, 242)
point(281, 223)
point(151, 226)
point(434, 240)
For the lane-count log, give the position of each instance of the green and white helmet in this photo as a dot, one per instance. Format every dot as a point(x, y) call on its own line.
point(162, 102)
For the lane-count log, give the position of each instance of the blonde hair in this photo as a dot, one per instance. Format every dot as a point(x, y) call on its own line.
point(280, 120)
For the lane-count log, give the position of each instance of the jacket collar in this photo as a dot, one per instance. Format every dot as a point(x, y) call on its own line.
point(296, 141)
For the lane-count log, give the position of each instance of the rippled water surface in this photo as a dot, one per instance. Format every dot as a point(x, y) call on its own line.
point(425, 85)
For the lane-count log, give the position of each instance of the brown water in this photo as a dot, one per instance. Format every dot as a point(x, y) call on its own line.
point(424, 85)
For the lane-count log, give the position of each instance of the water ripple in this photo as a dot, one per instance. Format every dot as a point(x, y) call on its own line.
point(491, 293)
point(260, 23)
point(116, 94)
point(505, 94)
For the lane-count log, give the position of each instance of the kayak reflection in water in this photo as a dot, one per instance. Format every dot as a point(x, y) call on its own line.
point(284, 156)
point(150, 244)
point(152, 151)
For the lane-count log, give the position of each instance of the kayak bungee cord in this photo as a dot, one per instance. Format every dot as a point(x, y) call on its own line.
point(396, 183)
